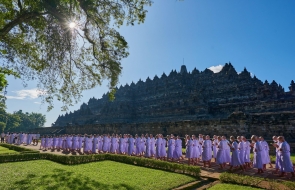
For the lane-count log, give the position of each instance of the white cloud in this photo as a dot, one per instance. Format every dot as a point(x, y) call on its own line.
point(37, 102)
point(26, 94)
point(252, 74)
point(216, 69)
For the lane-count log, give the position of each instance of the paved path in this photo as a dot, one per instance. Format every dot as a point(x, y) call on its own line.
point(212, 172)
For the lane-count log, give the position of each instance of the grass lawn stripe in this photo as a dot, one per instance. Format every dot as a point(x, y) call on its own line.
point(43, 174)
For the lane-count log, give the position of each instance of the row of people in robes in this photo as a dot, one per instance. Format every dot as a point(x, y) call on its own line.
point(20, 138)
point(144, 145)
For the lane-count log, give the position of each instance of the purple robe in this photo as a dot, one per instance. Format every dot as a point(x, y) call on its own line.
point(207, 150)
point(171, 148)
point(163, 148)
point(178, 149)
point(235, 158)
point(285, 161)
point(257, 160)
point(131, 146)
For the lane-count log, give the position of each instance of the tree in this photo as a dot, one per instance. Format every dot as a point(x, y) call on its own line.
point(67, 45)
point(27, 121)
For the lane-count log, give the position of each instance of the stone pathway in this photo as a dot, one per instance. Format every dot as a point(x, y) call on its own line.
point(212, 173)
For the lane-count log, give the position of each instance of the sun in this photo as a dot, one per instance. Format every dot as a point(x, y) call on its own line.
point(72, 25)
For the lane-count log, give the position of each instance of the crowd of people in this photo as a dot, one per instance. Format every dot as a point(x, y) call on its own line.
point(235, 153)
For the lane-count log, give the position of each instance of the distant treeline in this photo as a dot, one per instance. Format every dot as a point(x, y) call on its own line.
point(20, 121)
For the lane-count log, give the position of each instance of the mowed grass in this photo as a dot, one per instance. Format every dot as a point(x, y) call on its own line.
point(4, 150)
point(225, 186)
point(44, 174)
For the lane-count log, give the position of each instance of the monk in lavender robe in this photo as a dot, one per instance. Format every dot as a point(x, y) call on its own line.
point(94, 144)
point(137, 145)
point(257, 149)
point(207, 151)
point(130, 145)
point(114, 144)
point(285, 161)
point(42, 146)
point(105, 146)
point(163, 152)
point(214, 147)
point(220, 153)
point(227, 157)
point(142, 144)
point(126, 143)
point(265, 157)
point(276, 144)
point(171, 147)
point(235, 157)
point(99, 143)
point(54, 142)
point(148, 146)
point(121, 144)
point(195, 154)
point(177, 154)
point(241, 148)
point(153, 146)
point(247, 152)
point(158, 146)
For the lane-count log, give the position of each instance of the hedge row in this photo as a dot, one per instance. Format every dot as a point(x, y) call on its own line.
point(18, 148)
point(259, 182)
point(71, 160)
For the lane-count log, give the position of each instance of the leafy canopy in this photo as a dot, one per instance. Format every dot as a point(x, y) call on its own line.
point(37, 42)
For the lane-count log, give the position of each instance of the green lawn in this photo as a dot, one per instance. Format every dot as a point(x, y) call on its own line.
point(225, 186)
point(4, 150)
point(43, 174)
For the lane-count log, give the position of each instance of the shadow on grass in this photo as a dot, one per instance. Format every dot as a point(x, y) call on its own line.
point(62, 179)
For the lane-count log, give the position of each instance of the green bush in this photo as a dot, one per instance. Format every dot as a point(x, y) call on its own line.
point(18, 148)
point(255, 181)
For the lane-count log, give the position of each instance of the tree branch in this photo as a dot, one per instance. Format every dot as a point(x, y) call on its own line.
point(18, 20)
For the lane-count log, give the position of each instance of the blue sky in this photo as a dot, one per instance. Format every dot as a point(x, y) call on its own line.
point(258, 35)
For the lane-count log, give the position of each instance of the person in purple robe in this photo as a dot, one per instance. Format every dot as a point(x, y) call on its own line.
point(163, 152)
point(265, 158)
point(105, 146)
point(207, 151)
point(195, 154)
point(214, 146)
point(247, 152)
point(131, 142)
point(47, 143)
point(42, 145)
point(235, 158)
point(241, 151)
point(29, 139)
point(177, 154)
point(114, 144)
point(220, 153)
point(81, 140)
point(276, 144)
point(189, 147)
point(171, 147)
point(60, 140)
point(158, 146)
point(257, 149)
point(69, 143)
point(137, 145)
point(142, 145)
point(147, 146)
point(94, 144)
point(285, 161)
point(99, 143)
point(227, 157)
point(54, 142)
point(201, 139)
point(121, 144)
point(126, 143)
point(152, 145)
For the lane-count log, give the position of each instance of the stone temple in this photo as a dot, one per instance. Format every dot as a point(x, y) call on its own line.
point(226, 102)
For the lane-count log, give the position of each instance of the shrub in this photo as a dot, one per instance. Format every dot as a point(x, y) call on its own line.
point(256, 181)
point(18, 148)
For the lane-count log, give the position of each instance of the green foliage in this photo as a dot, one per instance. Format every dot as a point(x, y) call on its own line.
point(20, 121)
point(18, 148)
point(255, 181)
point(224, 186)
point(43, 174)
point(7, 151)
point(37, 42)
